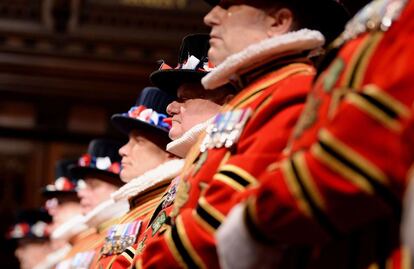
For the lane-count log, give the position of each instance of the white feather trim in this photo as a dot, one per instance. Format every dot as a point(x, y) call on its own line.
point(182, 145)
point(105, 211)
point(163, 173)
point(262, 51)
point(70, 228)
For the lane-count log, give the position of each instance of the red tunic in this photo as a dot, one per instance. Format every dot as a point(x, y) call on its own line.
point(83, 243)
point(336, 200)
point(142, 208)
point(210, 183)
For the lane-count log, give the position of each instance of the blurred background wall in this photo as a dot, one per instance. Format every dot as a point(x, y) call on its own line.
point(65, 67)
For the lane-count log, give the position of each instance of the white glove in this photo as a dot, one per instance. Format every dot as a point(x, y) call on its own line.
point(237, 249)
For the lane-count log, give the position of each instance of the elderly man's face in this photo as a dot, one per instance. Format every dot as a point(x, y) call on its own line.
point(32, 253)
point(194, 106)
point(94, 192)
point(234, 27)
point(140, 155)
point(62, 211)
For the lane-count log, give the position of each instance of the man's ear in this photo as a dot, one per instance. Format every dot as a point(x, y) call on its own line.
point(280, 21)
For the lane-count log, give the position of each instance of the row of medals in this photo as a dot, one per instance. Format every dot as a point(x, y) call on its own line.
point(225, 129)
point(120, 237)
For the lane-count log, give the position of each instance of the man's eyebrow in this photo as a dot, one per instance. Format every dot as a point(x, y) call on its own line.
point(228, 3)
point(185, 94)
point(181, 98)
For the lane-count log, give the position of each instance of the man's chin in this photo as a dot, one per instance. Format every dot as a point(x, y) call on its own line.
point(125, 177)
point(216, 55)
point(174, 134)
point(86, 210)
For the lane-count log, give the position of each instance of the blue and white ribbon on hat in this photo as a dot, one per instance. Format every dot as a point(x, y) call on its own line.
point(149, 116)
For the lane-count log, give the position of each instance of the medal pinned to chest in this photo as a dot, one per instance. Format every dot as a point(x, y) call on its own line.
point(82, 260)
point(378, 15)
point(120, 237)
point(226, 129)
point(170, 196)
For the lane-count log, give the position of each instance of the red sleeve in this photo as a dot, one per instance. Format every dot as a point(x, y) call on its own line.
point(355, 171)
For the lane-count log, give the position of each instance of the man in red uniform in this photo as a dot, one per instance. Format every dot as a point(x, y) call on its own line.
point(31, 236)
point(261, 48)
point(335, 200)
point(190, 114)
point(148, 170)
point(97, 172)
point(64, 207)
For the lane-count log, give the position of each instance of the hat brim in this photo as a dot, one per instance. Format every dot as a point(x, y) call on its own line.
point(126, 125)
point(28, 239)
point(63, 194)
point(169, 80)
point(212, 2)
point(107, 176)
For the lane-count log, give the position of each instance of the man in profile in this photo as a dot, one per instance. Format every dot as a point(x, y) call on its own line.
point(263, 50)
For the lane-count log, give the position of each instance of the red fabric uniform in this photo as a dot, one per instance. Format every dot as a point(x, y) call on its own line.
point(83, 242)
point(143, 206)
point(336, 200)
point(209, 184)
point(87, 242)
point(102, 230)
point(158, 222)
point(159, 219)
